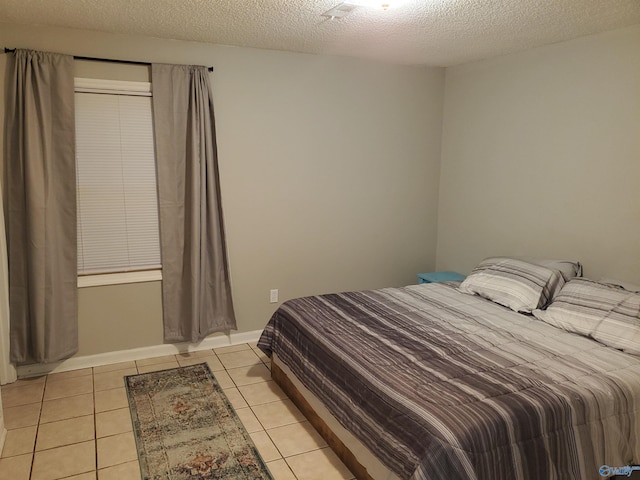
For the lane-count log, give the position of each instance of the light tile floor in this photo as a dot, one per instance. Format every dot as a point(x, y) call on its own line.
point(76, 425)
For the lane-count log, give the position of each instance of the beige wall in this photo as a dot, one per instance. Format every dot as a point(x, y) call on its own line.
point(329, 174)
point(119, 317)
point(541, 156)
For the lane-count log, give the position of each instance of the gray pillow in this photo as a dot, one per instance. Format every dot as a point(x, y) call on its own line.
point(521, 286)
point(607, 313)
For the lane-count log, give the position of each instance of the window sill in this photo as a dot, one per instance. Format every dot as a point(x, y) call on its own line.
point(119, 278)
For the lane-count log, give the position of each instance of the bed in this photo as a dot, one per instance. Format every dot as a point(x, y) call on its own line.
point(437, 381)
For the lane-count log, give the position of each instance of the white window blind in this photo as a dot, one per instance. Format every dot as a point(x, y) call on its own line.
point(116, 178)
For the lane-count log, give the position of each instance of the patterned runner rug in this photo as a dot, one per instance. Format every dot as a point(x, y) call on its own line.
point(186, 429)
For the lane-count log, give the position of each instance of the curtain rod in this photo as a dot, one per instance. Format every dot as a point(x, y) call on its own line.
point(110, 60)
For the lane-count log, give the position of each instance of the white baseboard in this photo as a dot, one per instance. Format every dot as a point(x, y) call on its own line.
point(87, 361)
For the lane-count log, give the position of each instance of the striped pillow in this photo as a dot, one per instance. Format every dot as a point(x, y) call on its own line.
point(519, 285)
point(621, 327)
point(607, 313)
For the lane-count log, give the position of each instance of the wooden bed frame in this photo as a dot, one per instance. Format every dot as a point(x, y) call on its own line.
point(340, 449)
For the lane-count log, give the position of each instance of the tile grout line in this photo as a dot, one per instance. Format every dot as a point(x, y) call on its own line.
point(35, 440)
point(276, 446)
point(95, 420)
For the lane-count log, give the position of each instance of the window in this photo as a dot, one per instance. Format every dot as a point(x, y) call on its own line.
point(116, 178)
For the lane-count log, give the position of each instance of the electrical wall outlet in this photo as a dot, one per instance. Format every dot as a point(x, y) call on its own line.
point(273, 295)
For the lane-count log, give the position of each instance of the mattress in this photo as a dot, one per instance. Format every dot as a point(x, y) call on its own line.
point(441, 384)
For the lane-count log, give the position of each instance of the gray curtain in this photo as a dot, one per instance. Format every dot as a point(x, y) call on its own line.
point(40, 206)
point(196, 293)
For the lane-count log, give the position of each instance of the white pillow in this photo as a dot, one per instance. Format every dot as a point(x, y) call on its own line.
point(568, 268)
point(580, 306)
point(519, 285)
point(620, 328)
point(607, 313)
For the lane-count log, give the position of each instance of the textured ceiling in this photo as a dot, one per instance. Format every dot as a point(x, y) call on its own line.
point(424, 32)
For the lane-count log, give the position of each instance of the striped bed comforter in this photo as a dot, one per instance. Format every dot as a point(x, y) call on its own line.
point(444, 385)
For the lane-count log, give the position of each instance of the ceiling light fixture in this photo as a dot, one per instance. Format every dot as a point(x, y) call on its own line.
point(378, 4)
point(343, 9)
